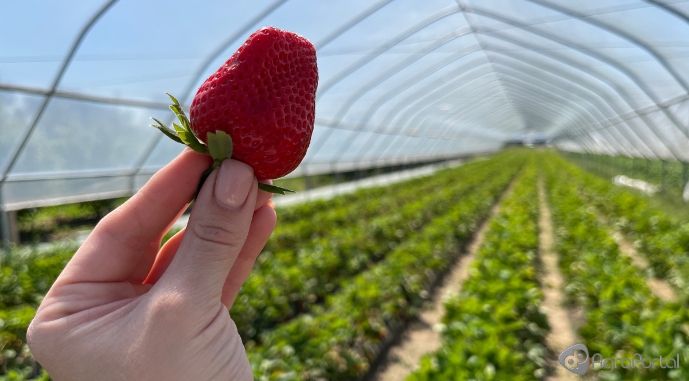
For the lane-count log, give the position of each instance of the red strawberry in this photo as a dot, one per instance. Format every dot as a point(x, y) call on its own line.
point(259, 107)
point(264, 98)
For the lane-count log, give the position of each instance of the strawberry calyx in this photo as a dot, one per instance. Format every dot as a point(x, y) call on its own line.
point(219, 145)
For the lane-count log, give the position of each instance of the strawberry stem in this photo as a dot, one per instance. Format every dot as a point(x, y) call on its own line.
point(274, 189)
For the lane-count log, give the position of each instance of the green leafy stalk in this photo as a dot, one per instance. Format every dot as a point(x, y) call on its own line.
point(219, 145)
point(220, 148)
point(274, 189)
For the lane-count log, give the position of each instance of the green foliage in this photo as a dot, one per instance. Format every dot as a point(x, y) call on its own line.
point(622, 317)
point(663, 239)
point(340, 277)
point(339, 340)
point(184, 135)
point(494, 329)
point(311, 258)
point(25, 278)
point(301, 184)
point(36, 224)
point(169, 235)
point(672, 176)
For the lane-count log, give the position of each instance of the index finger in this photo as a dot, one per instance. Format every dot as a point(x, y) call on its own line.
point(124, 244)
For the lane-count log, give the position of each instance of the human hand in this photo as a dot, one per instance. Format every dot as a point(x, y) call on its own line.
point(125, 309)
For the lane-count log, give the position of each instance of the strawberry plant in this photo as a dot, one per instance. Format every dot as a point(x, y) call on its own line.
point(671, 176)
point(24, 278)
point(339, 340)
point(306, 272)
point(494, 330)
point(27, 276)
point(663, 239)
point(622, 316)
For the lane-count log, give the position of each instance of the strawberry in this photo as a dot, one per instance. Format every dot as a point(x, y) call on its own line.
point(258, 107)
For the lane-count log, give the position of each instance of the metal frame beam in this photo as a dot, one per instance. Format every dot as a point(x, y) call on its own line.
point(620, 93)
point(669, 9)
point(370, 85)
point(405, 85)
point(391, 43)
point(576, 82)
point(575, 47)
point(657, 55)
point(387, 45)
point(16, 151)
point(542, 100)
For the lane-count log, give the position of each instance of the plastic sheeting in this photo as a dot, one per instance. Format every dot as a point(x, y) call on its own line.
point(401, 81)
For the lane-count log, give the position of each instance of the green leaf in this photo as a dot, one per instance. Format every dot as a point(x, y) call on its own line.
point(170, 134)
point(177, 109)
point(174, 100)
point(179, 112)
point(160, 124)
point(183, 119)
point(182, 134)
point(178, 128)
point(185, 136)
point(167, 131)
point(274, 189)
point(219, 145)
point(190, 139)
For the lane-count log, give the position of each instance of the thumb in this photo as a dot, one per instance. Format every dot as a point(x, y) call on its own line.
point(217, 230)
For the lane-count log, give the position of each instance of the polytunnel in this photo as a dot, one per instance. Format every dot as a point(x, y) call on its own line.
point(401, 81)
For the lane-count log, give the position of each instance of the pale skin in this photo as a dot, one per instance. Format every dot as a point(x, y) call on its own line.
point(125, 309)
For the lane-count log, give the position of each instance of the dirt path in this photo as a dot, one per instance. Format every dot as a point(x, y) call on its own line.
point(562, 333)
point(659, 287)
point(420, 337)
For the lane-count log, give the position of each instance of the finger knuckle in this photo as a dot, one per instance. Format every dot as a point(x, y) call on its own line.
point(218, 234)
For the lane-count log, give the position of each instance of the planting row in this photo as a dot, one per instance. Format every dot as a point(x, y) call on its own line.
point(290, 280)
point(663, 240)
point(622, 317)
point(672, 176)
point(316, 219)
point(340, 340)
point(494, 330)
point(26, 277)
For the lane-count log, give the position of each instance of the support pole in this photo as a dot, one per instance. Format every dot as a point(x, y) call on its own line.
point(5, 233)
point(10, 228)
point(5, 225)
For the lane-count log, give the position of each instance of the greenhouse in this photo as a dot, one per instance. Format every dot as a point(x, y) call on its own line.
point(493, 190)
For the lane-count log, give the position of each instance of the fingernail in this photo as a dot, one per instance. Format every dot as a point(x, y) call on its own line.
point(233, 183)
